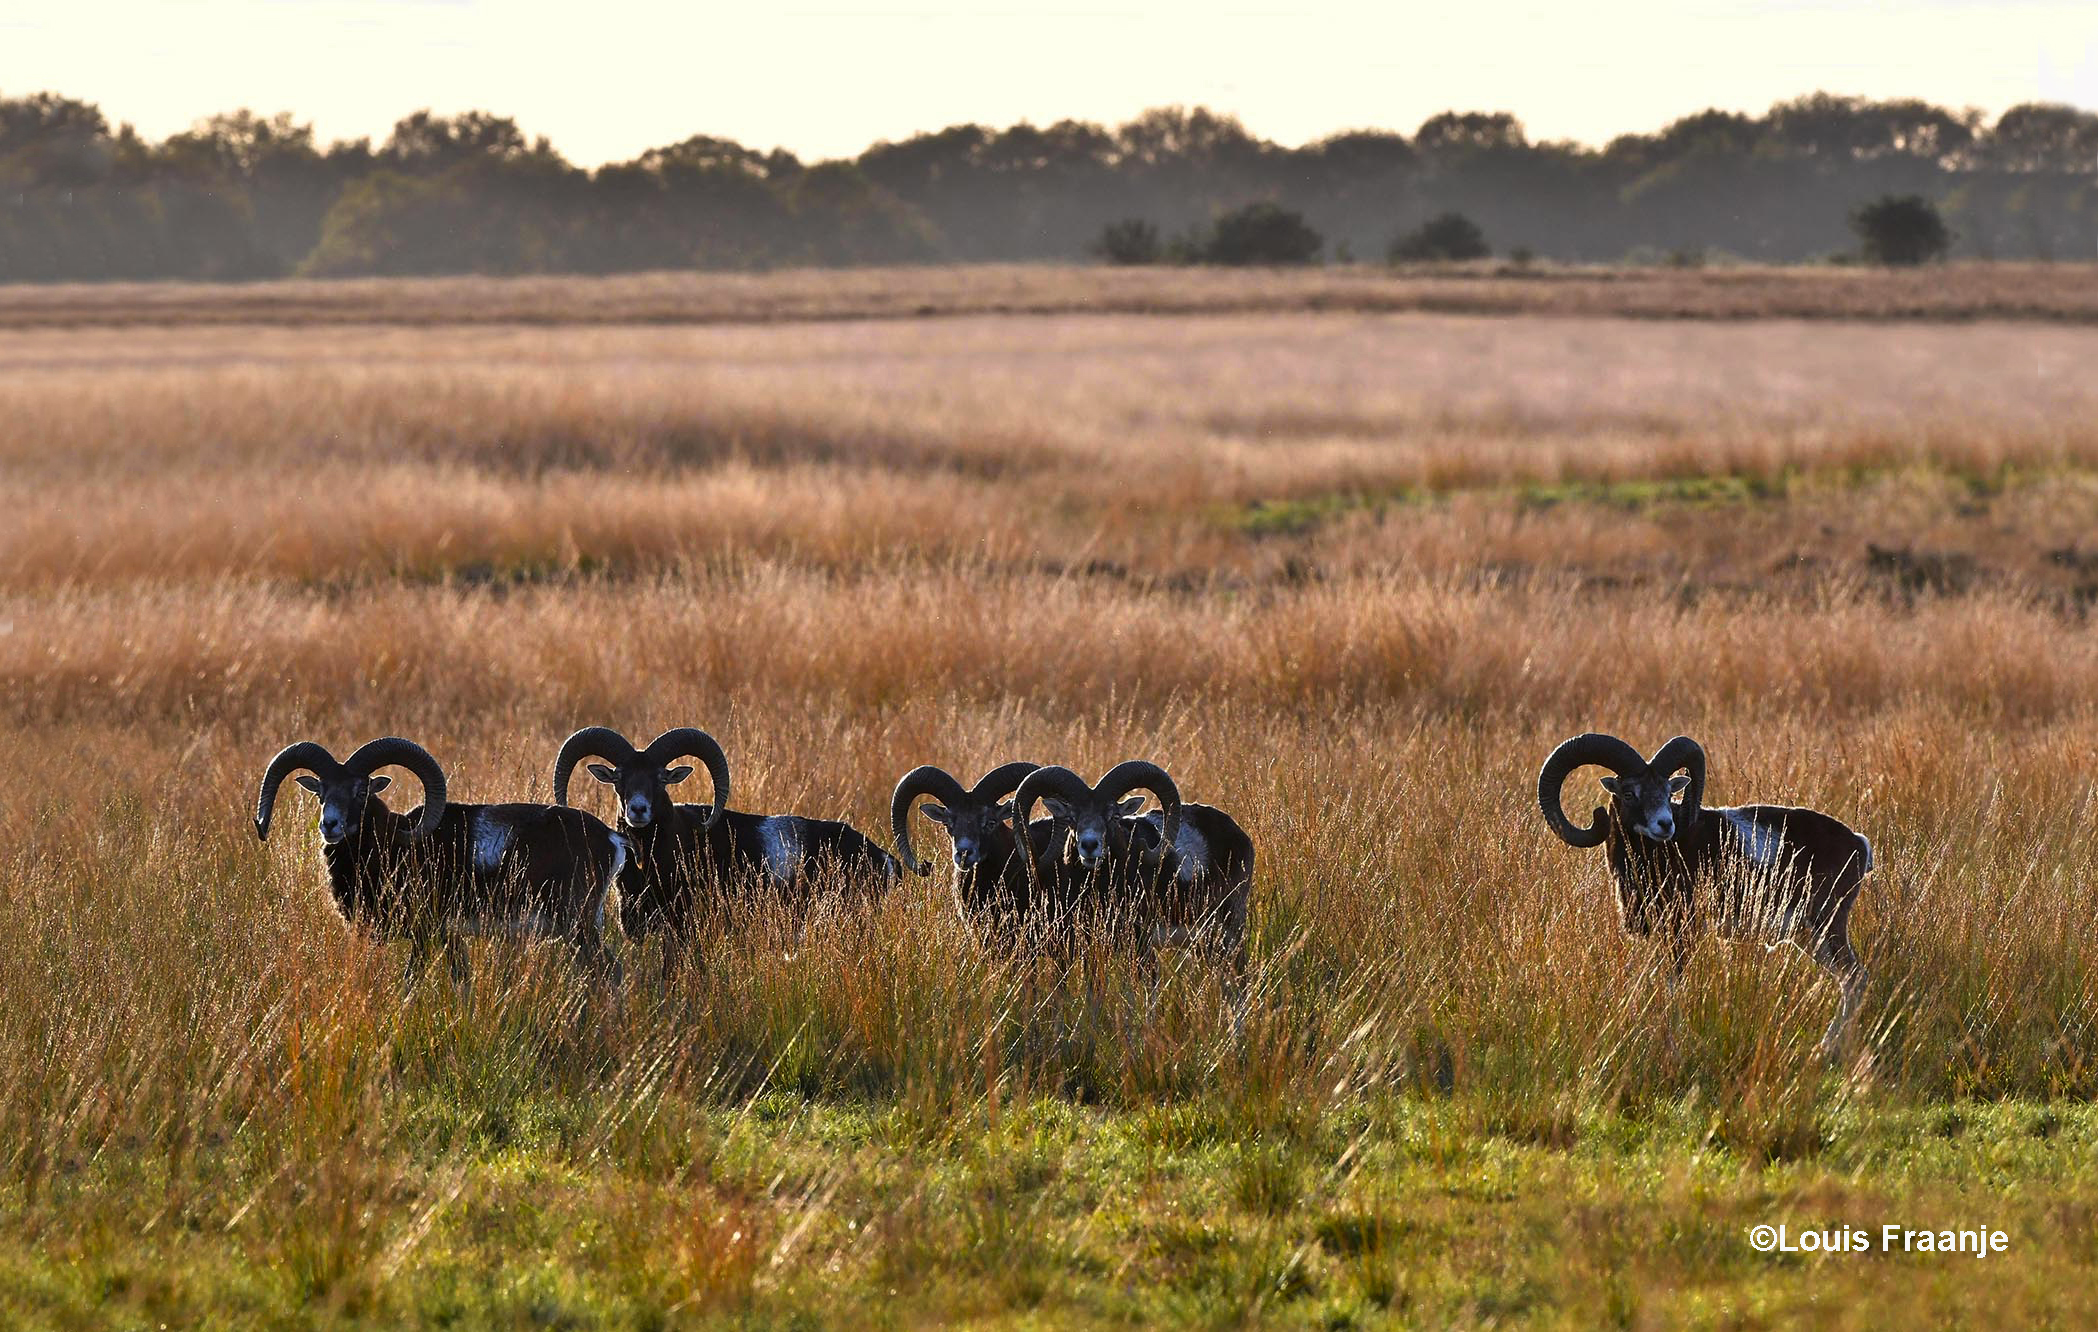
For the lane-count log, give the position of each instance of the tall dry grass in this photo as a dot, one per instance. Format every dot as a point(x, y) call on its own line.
point(321, 454)
point(850, 550)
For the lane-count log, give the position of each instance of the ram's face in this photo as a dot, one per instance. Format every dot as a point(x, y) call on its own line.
point(343, 801)
point(643, 789)
point(975, 830)
point(1646, 803)
point(1092, 831)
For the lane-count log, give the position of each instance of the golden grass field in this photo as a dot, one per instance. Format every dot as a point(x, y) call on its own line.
point(1348, 569)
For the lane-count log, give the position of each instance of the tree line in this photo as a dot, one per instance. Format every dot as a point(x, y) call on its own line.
point(244, 196)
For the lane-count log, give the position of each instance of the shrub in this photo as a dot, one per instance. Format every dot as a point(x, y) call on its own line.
point(1262, 233)
point(1133, 240)
point(1446, 236)
point(1900, 230)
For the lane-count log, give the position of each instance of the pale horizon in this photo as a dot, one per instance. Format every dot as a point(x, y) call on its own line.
point(828, 82)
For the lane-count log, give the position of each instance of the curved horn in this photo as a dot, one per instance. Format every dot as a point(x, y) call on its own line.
point(1137, 775)
point(1001, 782)
point(590, 742)
point(1593, 749)
point(392, 751)
point(305, 756)
point(1678, 754)
point(691, 742)
point(923, 780)
point(1041, 782)
point(1049, 781)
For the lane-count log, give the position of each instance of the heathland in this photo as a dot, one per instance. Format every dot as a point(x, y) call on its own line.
point(1348, 565)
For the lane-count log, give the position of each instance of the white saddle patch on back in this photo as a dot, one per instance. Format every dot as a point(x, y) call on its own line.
point(779, 841)
point(1194, 852)
point(491, 842)
point(1763, 846)
point(1774, 910)
point(1192, 847)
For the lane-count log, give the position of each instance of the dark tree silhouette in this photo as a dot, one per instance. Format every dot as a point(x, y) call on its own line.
point(1453, 133)
point(1262, 233)
point(252, 195)
point(55, 141)
point(2044, 136)
point(426, 144)
point(842, 218)
point(1900, 231)
point(1129, 241)
point(1445, 236)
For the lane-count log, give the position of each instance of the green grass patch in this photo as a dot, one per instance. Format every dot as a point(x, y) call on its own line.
point(1301, 515)
point(1390, 1211)
point(1654, 492)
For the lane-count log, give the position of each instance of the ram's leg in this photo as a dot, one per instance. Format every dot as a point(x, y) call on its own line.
point(593, 921)
point(459, 966)
point(1228, 935)
point(1236, 964)
point(418, 962)
point(1031, 958)
point(1149, 972)
point(594, 958)
point(797, 910)
point(1680, 944)
point(675, 944)
point(1073, 980)
point(1833, 954)
point(1096, 955)
point(1676, 960)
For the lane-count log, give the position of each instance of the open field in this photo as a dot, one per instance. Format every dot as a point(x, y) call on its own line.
point(1348, 573)
point(2065, 292)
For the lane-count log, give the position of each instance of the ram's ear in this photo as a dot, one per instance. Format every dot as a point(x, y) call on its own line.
point(379, 784)
point(309, 781)
point(672, 776)
point(605, 773)
point(1128, 808)
point(1679, 783)
point(1610, 785)
point(939, 814)
point(1062, 810)
point(1003, 812)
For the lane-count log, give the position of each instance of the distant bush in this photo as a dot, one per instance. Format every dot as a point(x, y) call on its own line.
point(1262, 233)
point(1132, 240)
point(1900, 231)
point(1446, 236)
point(1189, 247)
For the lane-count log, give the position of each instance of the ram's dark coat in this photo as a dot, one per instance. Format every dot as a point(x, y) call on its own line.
point(683, 868)
point(1765, 873)
point(691, 860)
point(534, 870)
point(1181, 874)
point(991, 889)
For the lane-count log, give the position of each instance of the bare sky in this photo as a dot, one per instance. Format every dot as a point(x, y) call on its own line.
point(606, 80)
